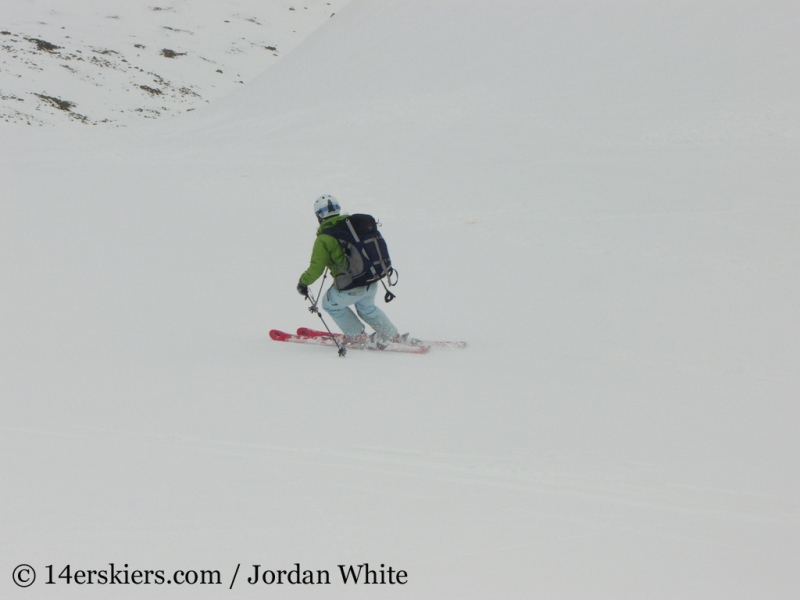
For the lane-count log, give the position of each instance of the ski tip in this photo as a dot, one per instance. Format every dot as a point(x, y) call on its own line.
point(278, 336)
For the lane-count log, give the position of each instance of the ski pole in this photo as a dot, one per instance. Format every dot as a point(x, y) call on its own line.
point(315, 309)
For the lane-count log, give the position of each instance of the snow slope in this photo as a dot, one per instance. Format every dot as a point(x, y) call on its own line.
point(113, 64)
point(600, 198)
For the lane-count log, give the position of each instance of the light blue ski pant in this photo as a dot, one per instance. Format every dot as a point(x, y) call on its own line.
point(337, 304)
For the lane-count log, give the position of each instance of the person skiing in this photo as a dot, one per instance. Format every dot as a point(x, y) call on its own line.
point(327, 253)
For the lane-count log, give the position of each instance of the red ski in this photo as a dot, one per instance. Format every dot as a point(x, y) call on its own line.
point(313, 333)
point(325, 340)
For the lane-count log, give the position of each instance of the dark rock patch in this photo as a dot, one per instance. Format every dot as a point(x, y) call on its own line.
point(151, 91)
point(171, 53)
point(43, 46)
point(60, 104)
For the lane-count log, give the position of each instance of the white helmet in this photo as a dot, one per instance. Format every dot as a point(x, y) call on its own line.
point(326, 206)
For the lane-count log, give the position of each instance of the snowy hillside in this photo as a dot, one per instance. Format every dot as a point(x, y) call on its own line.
point(114, 63)
point(601, 199)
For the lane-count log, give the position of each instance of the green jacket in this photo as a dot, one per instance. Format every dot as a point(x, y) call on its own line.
point(326, 252)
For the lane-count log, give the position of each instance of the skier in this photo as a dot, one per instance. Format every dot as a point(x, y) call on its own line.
point(327, 252)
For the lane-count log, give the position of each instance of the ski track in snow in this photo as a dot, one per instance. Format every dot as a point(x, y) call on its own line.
point(469, 470)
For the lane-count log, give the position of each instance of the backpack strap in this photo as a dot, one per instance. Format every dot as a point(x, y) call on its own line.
point(352, 231)
point(381, 260)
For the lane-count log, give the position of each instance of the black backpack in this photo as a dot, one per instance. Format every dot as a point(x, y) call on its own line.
point(365, 251)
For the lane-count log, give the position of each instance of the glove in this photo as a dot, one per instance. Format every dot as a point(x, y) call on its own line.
point(302, 288)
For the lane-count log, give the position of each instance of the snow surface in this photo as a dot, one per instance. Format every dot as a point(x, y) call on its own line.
point(600, 197)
